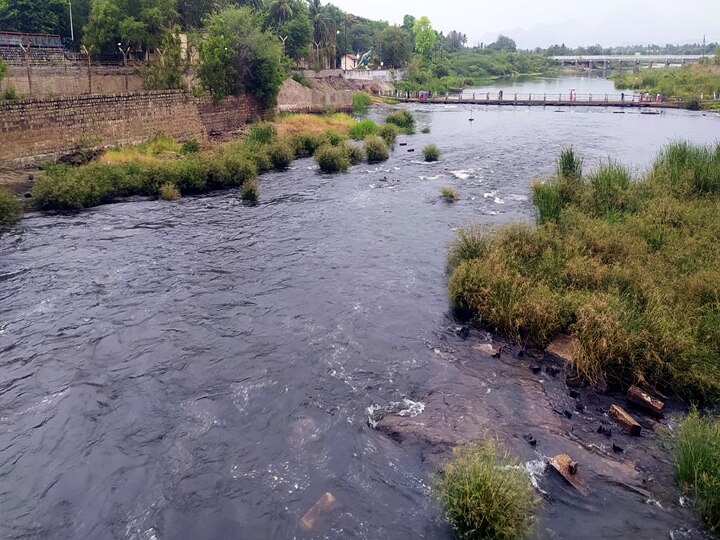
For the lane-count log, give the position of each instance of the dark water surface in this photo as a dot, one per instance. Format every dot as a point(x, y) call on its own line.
point(204, 369)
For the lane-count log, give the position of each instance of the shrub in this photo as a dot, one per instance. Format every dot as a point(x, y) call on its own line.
point(486, 494)
point(689, 169)
point(355, 153)
point(169, 192)
point(281, 154)
point(10, 93)
point(388, 133)
point(431, 152)
point(305, 144)
point(376, 149)
point(300, 78)
point(403, 119)
point(361, 103)
point(10, 208)
point(250, 190)
point(261, 133)
point(448, 193)
point(190, 146)
point(332, 158)
point(609, 189)
point(363, 129)
point(697, 465)
point(548, 201)
point(333, 137)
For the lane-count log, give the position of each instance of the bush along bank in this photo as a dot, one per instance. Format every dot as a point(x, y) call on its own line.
point(628, 267)
point(164, 169)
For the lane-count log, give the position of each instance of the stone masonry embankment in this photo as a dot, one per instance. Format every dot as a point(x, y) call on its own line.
point(37, 129)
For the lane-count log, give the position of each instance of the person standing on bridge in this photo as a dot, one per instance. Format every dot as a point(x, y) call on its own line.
point(622, 96)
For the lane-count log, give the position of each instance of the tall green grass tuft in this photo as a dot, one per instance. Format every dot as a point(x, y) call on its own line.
point(471, 243)
point(332, 159)
point(486, 495)
point(697, 465)
point(431, 152)
point(363, 129)
point(10, 208)
point(262, 133)
point(569, 165)
point(250, 191)
point(403, 120)
point(630, 267)
point(361, 103)
point(376, 149)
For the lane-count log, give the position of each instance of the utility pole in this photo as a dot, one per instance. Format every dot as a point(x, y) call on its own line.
point(86, 51)
point(26, 53)
point(72, 30)
point(125, 55)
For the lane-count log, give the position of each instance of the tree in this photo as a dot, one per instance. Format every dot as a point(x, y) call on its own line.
point(141, 24)
point(192, 12)
point(298, 33)
point(455, 41)
point(408, 23)
point(167, 70)
point(236, 57)
point(395, 47)
point(503, 43)
point(717, 55)
point(40, 16)
point(425, 37)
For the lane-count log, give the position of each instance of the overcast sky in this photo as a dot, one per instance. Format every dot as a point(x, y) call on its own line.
point(535, 23)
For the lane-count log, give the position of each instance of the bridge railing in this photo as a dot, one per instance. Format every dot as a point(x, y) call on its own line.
point(539, 97)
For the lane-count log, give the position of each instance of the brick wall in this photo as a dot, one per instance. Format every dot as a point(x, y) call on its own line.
point(70, 79)
point(35, 129)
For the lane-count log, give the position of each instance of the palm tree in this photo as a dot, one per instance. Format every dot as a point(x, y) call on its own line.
point(280, 11)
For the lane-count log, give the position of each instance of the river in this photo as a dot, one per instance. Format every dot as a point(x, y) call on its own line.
point(206, 369)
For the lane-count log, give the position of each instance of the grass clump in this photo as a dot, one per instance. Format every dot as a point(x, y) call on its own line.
point(289, 125)
point(250, 190)
point(431, 152)
point(449, 194)
point(697, 465)
point(262, 133)
point(388, 133)
point(630, 267)
point(361, 103)
point(332, 159)
point(355, 153)
point(363, 129)
point(471, 243)
point(169, 192)
point(403, 119)
point(376, 149)
point(486, 495)
point(281, 154)
point(10, 208)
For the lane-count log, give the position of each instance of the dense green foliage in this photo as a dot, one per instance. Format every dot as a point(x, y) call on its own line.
point(697, 464)
point(685, 83)
point(236, 57)
point(10, 208)
point(395, 47)
point(41, 16)
point(166, 71)
point(631, 268)
point(363, 129)
point(425, 37)
point(486, 495)
point(388, 133)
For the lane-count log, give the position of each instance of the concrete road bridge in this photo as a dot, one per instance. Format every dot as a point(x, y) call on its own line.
point(607, 61)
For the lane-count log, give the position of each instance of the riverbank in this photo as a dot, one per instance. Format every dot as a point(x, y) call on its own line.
point(162, 166)
point(691, 84)
point(627, 267)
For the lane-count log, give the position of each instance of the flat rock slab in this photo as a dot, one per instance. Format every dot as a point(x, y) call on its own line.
point(626, 422)
point(488, 348)
point(323, 504)
point(569, 470)
point(645, 401)
point(564, 347)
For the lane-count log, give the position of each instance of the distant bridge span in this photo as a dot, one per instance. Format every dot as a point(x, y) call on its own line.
point(609, 59)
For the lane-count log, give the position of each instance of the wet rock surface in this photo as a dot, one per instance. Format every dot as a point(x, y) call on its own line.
point(475, 395)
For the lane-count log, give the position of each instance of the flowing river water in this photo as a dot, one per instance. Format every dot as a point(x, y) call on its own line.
point(207, 369)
